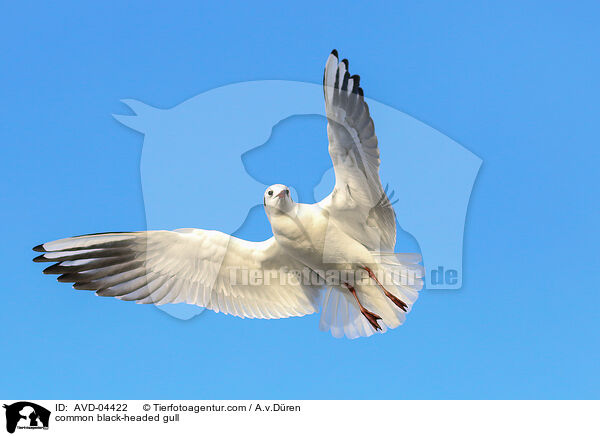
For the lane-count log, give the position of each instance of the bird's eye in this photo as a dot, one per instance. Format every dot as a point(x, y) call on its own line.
point(287, 192)
point(270, 193)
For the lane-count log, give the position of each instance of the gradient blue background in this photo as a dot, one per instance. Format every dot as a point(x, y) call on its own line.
point(516, 83)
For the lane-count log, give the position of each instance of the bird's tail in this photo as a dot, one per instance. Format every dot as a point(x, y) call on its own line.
point(399, 274)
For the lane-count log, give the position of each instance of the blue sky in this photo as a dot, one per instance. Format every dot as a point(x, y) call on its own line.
point(515, 83)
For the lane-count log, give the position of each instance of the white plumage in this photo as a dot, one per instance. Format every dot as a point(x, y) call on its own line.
point(353, 229)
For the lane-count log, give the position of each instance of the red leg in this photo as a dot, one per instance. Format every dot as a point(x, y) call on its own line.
point(398, 302)
point(371, 317)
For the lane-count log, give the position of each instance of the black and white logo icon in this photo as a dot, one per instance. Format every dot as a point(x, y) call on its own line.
point(26, 415)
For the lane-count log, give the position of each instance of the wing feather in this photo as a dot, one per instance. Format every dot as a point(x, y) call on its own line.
point(186, 265)
point(358, 196)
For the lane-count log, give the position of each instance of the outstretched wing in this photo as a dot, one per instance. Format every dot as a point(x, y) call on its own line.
point(206, 268)
point(358, 201)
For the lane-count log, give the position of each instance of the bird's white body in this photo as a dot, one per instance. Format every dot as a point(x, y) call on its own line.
point(307, 234)
point(351, 231)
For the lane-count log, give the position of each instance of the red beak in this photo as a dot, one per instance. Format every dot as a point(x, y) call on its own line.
point(281, 194)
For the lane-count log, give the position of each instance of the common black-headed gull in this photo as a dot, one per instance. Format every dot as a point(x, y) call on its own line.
point(336, 254)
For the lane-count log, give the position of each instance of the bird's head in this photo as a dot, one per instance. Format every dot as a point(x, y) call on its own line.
point(277, 199)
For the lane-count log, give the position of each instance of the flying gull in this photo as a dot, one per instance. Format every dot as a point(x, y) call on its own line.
point(336, 255)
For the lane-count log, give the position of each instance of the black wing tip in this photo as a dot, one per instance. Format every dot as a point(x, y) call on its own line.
point(66, 278)
point(335, 53)
point(345, 81)
point(39, 248)
point(54, 269)
point(40, 258)
point(83, 286)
